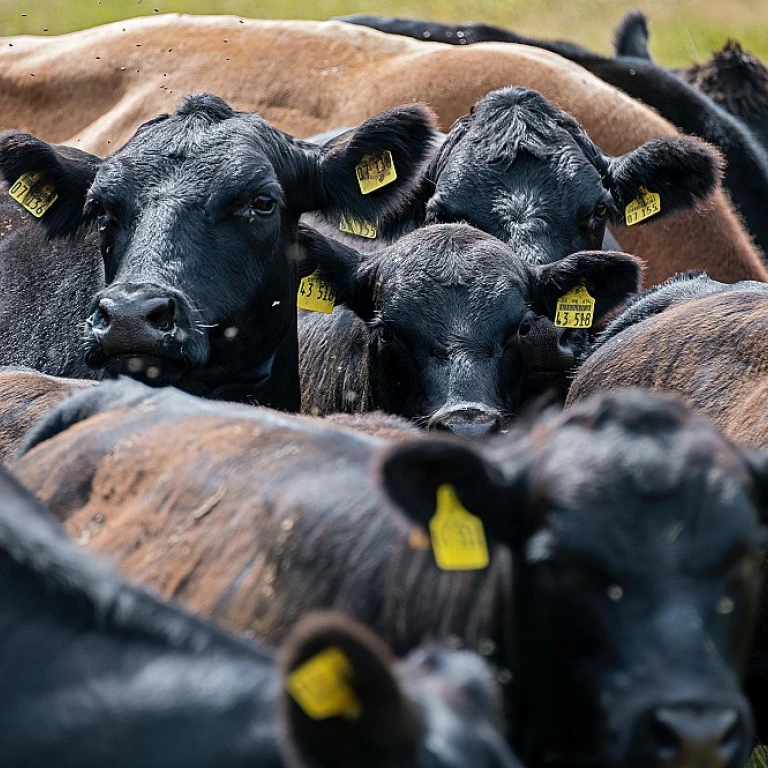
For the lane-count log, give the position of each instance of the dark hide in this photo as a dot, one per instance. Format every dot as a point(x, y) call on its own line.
point(196, 218)
point(97, 672)
point(443, 326)
point(633, 523)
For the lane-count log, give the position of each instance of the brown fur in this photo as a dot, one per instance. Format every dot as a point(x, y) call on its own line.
point(712, 351)
point(205, 505)
point(25, 396)
point(91, 89)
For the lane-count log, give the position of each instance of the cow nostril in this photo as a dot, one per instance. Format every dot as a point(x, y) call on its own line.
point(163, 315)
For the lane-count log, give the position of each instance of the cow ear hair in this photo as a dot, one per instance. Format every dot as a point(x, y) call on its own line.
point(682, 171)
point(610, 278)
point(407, 133)
point(68, 170)
point(411, 472)
point(375, 724)
point(346, 270)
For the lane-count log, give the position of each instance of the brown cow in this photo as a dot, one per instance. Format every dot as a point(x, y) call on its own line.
point(92, 88)
point(711, 350)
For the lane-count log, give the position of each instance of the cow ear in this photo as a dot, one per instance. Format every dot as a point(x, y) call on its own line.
point(756, 462)
point(346, 270)
point(411, 473)
point(610, 278)
point(407, 133)
point(341, 703)
point(68, 171)
point(681, 171)
point(631, 37)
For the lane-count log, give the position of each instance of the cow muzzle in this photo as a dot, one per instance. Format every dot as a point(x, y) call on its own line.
point(141, 330)
point(467, 420)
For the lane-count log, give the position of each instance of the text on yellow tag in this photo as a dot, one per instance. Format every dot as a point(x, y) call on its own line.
point(575, 309)
point(315, 295)
point(646, 204)
point(320, 686)
point(357, 227)
point(35, 196)
point(375, 171)
point(458, 537)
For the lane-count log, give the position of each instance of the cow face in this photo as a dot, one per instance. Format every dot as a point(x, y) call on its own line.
point(197, 217)
point(635, 531)
point(433, 709)
point(522, 170)
point(455, 317)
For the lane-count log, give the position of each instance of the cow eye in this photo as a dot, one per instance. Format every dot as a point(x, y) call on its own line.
point(601, 211)
point(525, 328)
point(103, 221)
point(262, 205)
point(385, 334)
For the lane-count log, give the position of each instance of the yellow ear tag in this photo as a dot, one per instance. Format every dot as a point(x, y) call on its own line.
point(315, 295)
point(375, 171)
point(357, 227)
point(458, 537)
point(36, 198)
point(575, 309)
point(320, 686)
point(645, 205)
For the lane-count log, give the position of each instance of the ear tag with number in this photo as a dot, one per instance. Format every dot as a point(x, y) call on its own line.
point(458, 537)
point(575, 309)
point(321, 687)
point(375, 171)
point(645, 205)
point(35, 197)
point(315, 295)
point(359, 227)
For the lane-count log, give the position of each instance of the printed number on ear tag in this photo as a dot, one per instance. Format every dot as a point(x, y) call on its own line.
point(321, 687)
point(575, 309)
point(315, 295)
point(357, 227)
point(375, 171)
point(458, 537)
point(646, 204)
point(37, 198)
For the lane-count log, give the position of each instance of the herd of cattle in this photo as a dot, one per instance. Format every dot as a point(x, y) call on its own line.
point(436, 516)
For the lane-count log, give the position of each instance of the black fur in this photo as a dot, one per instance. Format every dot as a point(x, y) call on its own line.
point(631, 36)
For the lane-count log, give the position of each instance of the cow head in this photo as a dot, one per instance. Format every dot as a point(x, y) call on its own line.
point(454, 317)
point(197, 215)
point(434, 709)
point(635, 530)
point(527, 173)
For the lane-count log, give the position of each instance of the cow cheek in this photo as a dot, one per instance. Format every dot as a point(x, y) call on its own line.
point(399, 381)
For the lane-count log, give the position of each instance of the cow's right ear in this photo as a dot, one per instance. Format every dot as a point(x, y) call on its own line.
point(411, 472)
point(349, 272)
point(341, 703)
point(69, 171)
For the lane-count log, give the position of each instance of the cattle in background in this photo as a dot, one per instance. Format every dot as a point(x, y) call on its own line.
point(98, 672)
point(746, 171)
point(526, 172)
point(342, 75)
point(253, 517)
point(196, 220)
point(443, 326)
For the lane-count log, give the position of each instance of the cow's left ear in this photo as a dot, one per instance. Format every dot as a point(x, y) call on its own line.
point(610, 278)
point(372, 170)
point(341, 703)
point(681, 171)
point(349, 272)
point(411, 472)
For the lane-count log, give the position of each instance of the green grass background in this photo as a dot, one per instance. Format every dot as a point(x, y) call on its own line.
point(681, 30)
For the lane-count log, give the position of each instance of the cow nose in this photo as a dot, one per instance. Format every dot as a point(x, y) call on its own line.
point(157, 313)
point(684, 737)
point(467, 422)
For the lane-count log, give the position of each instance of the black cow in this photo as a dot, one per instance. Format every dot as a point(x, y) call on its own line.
point(526, 172)
point(196, 217)
point(97, 672)
point(442, 326)
point(746, 170)
point(622, 540)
